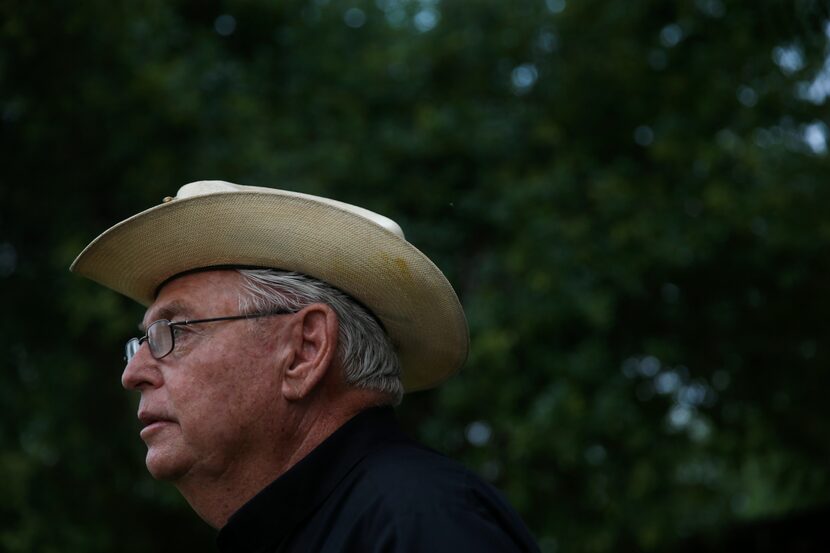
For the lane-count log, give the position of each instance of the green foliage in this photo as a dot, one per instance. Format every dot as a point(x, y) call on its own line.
point(621, 192)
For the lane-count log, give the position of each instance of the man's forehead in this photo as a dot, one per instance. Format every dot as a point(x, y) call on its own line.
point(162, 309)
point(192, 293)
point(200, 276)
point(169, 310)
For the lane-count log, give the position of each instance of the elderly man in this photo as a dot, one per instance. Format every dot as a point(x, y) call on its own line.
point(280, 330)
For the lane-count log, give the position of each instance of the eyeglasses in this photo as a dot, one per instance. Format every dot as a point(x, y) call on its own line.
point(162, 339)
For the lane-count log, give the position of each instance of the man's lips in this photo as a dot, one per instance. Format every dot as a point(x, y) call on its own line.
point(151, 422)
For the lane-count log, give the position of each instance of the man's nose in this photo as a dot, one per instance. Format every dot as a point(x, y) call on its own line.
point(142, 370)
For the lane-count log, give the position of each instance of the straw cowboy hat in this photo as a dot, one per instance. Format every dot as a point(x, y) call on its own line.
point(219, 224)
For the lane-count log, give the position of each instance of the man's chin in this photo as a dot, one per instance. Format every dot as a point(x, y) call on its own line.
point(165, 465)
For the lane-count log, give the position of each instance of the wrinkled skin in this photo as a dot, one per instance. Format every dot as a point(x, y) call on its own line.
point(211, 407)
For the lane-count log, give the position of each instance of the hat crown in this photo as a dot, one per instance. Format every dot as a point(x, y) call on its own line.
point(205, 187)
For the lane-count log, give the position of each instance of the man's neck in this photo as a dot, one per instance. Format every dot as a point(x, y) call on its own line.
point(216, 497)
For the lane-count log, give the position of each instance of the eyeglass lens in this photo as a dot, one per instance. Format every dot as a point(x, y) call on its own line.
point(159, 338)
point(131, 349)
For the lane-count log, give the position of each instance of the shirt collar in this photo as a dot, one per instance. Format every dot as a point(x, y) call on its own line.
point(270, 516)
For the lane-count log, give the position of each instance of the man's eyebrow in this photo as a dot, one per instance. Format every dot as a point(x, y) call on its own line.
point(170, 311)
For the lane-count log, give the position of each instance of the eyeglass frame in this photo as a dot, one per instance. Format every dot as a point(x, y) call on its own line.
point(171, 324)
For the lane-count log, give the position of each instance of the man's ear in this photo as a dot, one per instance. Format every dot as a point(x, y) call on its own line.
point(314, 341)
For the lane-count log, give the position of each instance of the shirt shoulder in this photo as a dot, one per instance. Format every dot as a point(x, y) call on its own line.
point(408, 469)
point(420, 500)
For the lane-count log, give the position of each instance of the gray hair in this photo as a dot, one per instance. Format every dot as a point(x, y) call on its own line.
point(363, 347)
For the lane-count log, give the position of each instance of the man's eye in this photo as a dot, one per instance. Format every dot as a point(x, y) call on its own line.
point(185, 331)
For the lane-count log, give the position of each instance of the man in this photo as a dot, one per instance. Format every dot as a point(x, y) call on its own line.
point(280, 330)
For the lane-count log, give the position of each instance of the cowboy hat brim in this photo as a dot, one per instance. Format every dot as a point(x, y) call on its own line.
point(259, 227)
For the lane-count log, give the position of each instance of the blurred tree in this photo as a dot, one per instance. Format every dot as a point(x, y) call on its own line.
point(628, 197)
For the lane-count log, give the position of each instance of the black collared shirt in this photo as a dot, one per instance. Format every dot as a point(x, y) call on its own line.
point(370, 489)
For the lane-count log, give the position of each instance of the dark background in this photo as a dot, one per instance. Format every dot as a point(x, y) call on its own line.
point(629, 197)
